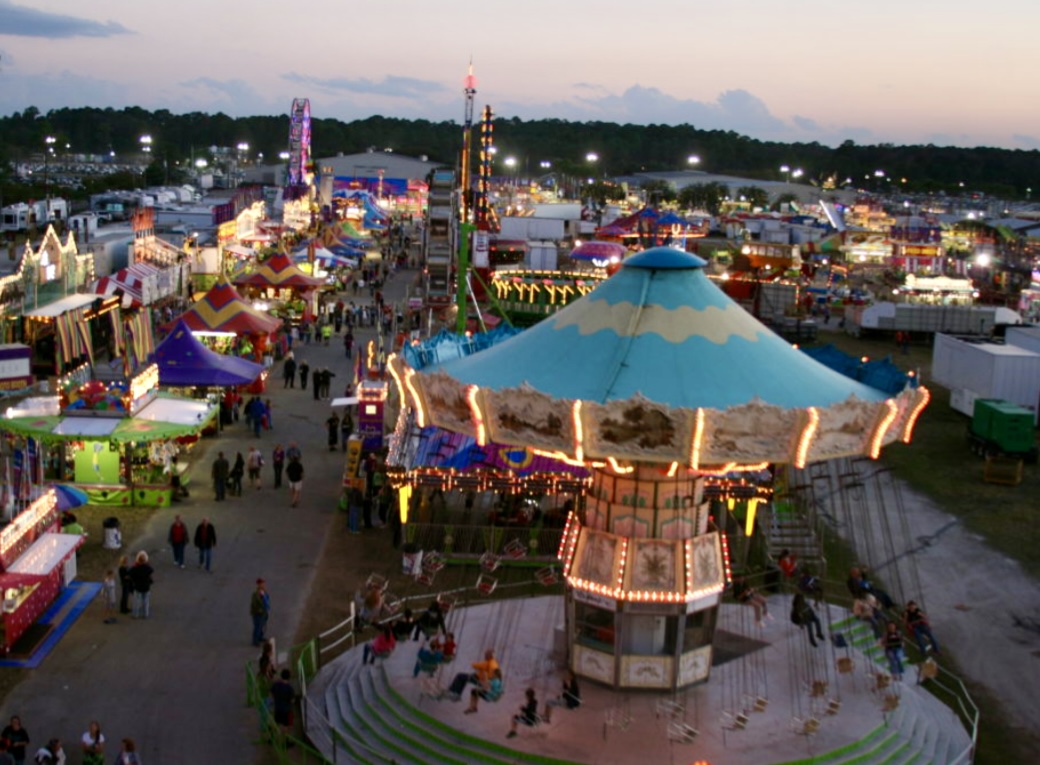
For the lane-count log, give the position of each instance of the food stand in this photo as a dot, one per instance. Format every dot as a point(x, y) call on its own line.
point(37, 564)
point(113, 440)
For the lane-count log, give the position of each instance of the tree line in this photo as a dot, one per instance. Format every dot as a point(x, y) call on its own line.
point(537, 146)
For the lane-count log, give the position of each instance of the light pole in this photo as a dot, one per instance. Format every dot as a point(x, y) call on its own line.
point(243, 153)
point(693, 160)
point(48, 149)
point(786, 170)
point(510, 162)
point(146, 148)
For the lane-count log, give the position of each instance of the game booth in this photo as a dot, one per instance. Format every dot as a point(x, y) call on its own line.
point(114, 440)
point(37, 563)
point(222, 314)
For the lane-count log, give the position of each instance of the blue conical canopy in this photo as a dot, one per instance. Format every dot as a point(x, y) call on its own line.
point(659, 329)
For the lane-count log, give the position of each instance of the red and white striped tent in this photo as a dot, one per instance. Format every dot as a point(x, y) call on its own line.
point(137, 282)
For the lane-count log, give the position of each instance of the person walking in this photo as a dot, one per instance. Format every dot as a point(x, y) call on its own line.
point(254, 462)
point(332, 423)
point(305, 369)
point(283, 695)
point(93, 745)
point(346, 427)
point(141, 576)
point(108, 592)
point(278, 463)
point(289, 373)
point(220, 472)
point(205, 541)
point(52, 754)
point(348, 344)
point(293, 452)
point(294, 473)
point(326, 381)
point(316, 382)
point(260, 611)
point(178, 539)
point(235, 475)
point(17, 739)
point(126, 585)
point(128, 755)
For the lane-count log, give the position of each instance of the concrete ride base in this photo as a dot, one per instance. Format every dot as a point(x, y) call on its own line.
point(773, 666)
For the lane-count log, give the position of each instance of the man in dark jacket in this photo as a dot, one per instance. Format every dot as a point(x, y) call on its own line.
point(221, 468)
point(205, 540)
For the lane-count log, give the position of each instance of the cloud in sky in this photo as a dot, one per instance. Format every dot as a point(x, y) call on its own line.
point(22, 21)
point(390, 86)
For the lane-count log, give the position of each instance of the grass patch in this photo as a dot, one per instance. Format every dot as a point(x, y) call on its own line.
point(939, 465)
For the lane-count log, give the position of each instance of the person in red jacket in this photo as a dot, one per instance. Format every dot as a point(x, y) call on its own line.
point(178, 539)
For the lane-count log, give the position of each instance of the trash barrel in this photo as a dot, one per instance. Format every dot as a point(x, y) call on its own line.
point(411, 559)
point(113, 537)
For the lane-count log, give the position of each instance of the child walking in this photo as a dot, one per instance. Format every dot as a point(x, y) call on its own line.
point(108, 592)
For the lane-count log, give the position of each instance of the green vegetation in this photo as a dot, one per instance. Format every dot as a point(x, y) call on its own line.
point(621, 149)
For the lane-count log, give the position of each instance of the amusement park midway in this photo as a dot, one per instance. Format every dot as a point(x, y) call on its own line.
point(174, 682)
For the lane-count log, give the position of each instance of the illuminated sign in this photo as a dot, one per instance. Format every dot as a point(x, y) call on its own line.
point(142, 388)
point(15, 366)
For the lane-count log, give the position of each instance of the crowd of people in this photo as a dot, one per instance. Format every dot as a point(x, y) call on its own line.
point(891, 627)
point(16, 747)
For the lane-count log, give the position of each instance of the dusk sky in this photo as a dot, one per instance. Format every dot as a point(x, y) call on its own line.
point(904, 72)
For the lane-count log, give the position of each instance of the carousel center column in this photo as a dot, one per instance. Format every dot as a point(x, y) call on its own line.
point(644, 579)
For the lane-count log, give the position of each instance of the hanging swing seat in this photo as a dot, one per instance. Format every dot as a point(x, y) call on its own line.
point(431, 689)
point(515, 549)
point(486, 584)
point(392, 604)
point(807, 727)
point(890, 702)
point(818, 689)
point(736, 721)
point(616, 717)
point(446, 602)
point(489, 562)
point(376, 582)
point(433, 562)
point(681, 732)
point(546, 576)
point(833, 707)
point(845, 664)
point(426, 577)
point(760, 704)
point(882, 681)
point(669, 708)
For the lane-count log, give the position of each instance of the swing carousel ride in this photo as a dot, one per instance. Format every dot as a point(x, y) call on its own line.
point(656, 382)
point(673, 401)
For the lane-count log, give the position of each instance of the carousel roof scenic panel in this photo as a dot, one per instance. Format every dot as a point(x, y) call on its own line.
point(659, 329)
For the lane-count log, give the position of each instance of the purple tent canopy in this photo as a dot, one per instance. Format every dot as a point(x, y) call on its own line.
point(183, 360)
point(598, 251)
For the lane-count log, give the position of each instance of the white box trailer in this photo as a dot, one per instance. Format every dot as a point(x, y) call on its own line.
point(532, 229)
point(976, 368)
point(1024, 337)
